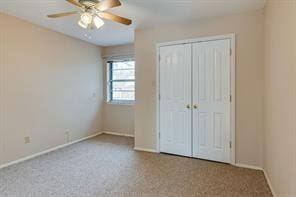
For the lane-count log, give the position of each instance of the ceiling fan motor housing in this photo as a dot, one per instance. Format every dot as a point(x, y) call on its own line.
point(88, 3)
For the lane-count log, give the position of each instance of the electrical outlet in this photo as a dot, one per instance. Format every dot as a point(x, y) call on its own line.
point(27, 140)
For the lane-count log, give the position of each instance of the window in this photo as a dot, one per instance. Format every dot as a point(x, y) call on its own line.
point(121, 81)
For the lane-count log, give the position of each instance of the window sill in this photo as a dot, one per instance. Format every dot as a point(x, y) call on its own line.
point(131, 103)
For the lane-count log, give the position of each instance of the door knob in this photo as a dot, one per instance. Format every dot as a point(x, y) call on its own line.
point(188, 106)
point(195, 106)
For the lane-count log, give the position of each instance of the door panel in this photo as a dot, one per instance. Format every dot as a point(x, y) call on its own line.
point(175, 89)
point(211, 94)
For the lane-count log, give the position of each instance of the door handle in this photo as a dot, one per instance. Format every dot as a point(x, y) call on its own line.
point(195, 106)
point(188, 106)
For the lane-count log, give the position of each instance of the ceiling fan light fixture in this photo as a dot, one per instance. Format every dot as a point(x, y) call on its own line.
point(93, 12)
point(98, 22)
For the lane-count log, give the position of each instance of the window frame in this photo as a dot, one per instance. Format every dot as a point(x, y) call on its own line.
point(110, 82)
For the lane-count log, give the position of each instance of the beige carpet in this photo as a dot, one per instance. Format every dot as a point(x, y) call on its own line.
point(108, 166)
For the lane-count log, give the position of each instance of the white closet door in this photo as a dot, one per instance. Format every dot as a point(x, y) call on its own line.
point(211, 95)
point(175, 101)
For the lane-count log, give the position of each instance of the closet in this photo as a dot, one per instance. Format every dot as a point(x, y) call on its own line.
point(195, 99)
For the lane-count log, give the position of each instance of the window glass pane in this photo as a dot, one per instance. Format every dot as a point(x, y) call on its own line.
point(124, 65)
point(123, 86)
point(122, 81)
point(126, 74)
point(124, 96)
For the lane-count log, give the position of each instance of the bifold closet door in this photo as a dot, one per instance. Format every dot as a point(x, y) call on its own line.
point(175, 99)
point(211, 100)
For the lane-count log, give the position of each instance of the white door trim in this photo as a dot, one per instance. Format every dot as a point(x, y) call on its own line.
point(231, 37)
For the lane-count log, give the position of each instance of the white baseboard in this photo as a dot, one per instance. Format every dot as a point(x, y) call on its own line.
point(261, 169)
point(118, 134)
point(145, 150)
point(269, 183)
point(59, 147)
point(248, 166)
point(47, 151)
point(135, 148)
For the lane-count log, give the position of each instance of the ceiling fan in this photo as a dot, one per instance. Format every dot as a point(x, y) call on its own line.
point(93, 11)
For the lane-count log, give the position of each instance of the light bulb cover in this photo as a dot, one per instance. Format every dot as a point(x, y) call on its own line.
point(98, 22)
point(86, 18)
point(81, 24)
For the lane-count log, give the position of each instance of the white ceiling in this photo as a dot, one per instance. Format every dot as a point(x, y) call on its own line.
point(145, 13)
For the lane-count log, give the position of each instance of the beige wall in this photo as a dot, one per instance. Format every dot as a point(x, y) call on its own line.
point(49, 83)
point(280, 96)
point(249, 71)
point(117, 118)
point(118, 50)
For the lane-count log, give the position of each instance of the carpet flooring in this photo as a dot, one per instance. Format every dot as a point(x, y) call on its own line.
point(107, 166)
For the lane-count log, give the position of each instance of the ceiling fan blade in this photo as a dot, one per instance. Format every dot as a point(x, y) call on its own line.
point(74, 3)
point(115, 18)
point(107, 4)
point(62, 14)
